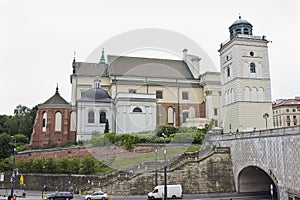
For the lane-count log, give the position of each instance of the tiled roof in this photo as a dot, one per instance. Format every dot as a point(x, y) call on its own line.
point(55, 100)
point(287, 102)
point(96, 95)
point(91, 69)
point(148, 67)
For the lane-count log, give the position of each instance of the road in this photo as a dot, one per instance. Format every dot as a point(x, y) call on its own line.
point(36, 195)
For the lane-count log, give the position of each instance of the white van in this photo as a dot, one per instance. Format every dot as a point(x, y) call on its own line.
point(173, 192)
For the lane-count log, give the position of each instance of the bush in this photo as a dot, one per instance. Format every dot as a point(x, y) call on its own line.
point(128, 140)
point(86, 165)
point(200, 135)
point(111, 137)
point(167, 130)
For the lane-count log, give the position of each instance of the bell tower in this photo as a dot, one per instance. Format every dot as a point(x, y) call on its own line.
point(245, 80)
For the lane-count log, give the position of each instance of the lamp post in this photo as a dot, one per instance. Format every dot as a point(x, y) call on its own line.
point(12, 180)
point(155, 167)
point(165, 168)
point(266, 116)
point(44, 183)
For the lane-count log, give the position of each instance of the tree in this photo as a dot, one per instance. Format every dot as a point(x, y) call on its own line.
point(22, 121)
point(3, 119)
point(6, 148)
point(106, 129)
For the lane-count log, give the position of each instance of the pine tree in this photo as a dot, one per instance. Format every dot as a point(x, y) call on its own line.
point(106, 130)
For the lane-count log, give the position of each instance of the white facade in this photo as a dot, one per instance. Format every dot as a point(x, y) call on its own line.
point(135, 112)
point(212, 92)
point(85, 128)
point(245, 82)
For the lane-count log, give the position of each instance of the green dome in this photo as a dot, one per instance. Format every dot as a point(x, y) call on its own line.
point(240, 21)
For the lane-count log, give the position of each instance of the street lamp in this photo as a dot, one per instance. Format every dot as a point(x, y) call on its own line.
point(266, 116)
point(165, 167)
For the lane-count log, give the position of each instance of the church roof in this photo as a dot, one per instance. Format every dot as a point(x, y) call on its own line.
point(55, 100)
point(91, 69)
point(148, 67)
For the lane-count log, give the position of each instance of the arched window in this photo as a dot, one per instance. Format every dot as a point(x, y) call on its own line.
point(170, 115)
point(254, 94)
point(192, 112)
point(261, 94)
point(91, 117)
point(247, 94)
point(44, 121)
point(137, 109)
point(58, 121)
point(73, 121)
point(238, 31)
point(184, 116)
point(102, 117)
point(252, 68)
point(246, 31)
point(228, 71)
point(232, 96)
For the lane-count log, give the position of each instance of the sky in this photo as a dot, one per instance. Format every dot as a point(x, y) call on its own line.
point(38, 38)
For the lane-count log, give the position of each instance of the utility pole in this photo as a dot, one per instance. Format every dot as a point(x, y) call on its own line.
point(12, 180)
point(165, 168)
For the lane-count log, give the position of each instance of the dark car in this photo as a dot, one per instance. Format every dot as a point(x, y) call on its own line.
point(60, 196)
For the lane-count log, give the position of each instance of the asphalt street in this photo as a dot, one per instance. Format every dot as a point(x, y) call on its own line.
point(36, 195)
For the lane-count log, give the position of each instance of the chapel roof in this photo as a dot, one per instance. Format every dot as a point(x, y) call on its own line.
point(55, 100)
point(96, 95)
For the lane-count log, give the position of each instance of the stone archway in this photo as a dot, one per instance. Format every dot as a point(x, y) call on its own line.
point(254, 180)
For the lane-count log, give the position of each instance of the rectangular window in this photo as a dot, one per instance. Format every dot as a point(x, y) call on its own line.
point(82, 94)
point(294, 110)
point(159, 94)
point(185, 95)
point(215, 111)
point(287, 110)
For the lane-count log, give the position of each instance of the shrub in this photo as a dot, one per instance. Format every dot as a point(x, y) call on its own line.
point(111, 137)
point(128, 140)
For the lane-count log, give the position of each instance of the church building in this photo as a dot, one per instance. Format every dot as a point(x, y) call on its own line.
point(134, 94)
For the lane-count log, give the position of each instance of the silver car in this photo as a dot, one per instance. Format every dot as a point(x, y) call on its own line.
point(97, 195)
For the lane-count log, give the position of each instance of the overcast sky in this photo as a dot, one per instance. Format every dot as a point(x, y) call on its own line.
point(38, 38)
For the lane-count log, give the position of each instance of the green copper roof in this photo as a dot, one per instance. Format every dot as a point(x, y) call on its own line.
point(240, 21)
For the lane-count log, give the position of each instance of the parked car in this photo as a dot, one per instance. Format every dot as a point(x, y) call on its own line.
point(97, 195)
point(60, 196)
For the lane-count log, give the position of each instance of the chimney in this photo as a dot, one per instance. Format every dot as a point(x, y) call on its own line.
point(196, 64)
point(184, 53)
